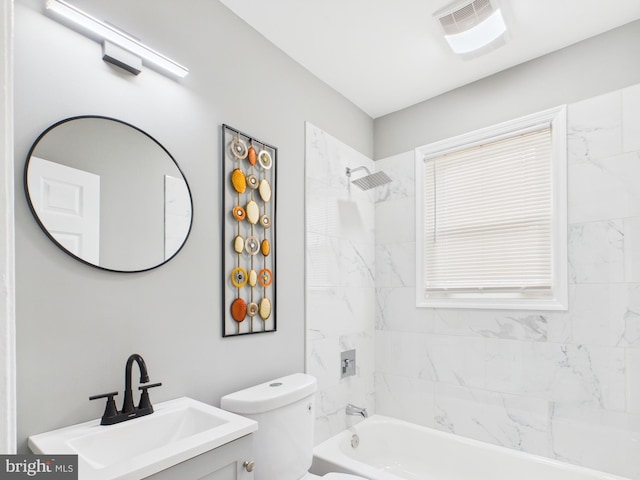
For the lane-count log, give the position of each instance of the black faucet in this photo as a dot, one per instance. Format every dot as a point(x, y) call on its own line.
point(127, 404)
point(129, 410)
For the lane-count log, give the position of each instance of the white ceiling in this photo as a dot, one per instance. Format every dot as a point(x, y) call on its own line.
point(385, 55)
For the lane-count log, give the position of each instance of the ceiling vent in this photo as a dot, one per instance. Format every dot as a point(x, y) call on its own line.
point(472, 28)
point(465, 16)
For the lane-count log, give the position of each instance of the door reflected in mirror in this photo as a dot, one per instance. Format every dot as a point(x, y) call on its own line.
point(108, 194)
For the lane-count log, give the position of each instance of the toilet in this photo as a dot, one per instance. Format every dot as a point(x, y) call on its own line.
point(284, 410)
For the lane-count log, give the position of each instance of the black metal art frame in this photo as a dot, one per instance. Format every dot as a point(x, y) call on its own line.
point(249, 243)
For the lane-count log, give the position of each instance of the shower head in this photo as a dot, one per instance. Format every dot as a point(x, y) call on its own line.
point(370, 180)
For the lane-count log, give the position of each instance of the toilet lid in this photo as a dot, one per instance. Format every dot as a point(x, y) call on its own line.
point(341, 476)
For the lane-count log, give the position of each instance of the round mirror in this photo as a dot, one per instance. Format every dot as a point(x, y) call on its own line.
point(108, 194)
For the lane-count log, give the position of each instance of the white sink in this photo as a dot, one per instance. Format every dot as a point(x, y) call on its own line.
point(177, 431)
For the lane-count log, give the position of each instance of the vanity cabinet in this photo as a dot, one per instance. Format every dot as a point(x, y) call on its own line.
point(222, 463)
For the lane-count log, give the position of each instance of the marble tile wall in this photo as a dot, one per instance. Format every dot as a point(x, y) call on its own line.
point(340, 281)
point(564, 385)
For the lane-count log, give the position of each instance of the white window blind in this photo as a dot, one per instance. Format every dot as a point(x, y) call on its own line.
point(488, 216)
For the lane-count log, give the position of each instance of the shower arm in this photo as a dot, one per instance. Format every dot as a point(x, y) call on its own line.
point(351, 170)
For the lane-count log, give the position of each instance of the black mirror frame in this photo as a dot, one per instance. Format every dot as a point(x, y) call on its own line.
point(58, 244)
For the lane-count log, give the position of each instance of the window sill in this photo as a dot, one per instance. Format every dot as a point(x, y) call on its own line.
point(553, 304)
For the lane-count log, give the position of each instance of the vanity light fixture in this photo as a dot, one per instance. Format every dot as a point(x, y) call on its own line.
point(119, 48)
point(472, 28)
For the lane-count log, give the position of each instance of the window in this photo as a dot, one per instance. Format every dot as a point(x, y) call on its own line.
point(491, 217)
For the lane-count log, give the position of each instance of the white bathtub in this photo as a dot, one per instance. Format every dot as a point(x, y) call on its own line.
point(391, 449)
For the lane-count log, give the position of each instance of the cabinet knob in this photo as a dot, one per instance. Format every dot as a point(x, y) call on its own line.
point(249, 465)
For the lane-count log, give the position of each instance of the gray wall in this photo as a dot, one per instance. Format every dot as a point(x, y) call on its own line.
point(589, 68)
point(76, 325)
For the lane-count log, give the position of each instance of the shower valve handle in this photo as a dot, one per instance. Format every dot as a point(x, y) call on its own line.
point(345, 365)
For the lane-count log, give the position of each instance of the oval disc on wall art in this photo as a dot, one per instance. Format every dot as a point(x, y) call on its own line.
point(253, 278)
point(265, 190)
point(238, 244)
point(252, 156)
point(239, 309)
point(238, 213)
point(239, 148)
point(253, 212)
point(252, 181)
point(252, 309)
point(265, 277)
point(239, 277)
point(265, 221)
point(265, 247)
point(238, 180)
point(265, 159)
point(265, 308)
point(252, 246)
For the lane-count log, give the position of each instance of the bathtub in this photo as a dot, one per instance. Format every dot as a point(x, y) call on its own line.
point(392, 449)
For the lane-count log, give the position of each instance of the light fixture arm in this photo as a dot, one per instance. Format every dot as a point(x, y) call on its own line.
point(110, 34)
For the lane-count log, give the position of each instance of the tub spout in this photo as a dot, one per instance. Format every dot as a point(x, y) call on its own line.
point(356, 411)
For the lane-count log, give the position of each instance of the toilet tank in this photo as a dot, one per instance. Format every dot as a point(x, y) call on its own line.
point(284, 410)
